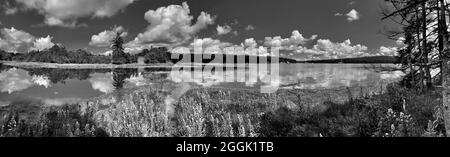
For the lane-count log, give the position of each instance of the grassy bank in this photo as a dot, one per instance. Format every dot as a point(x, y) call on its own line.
point(231, 113)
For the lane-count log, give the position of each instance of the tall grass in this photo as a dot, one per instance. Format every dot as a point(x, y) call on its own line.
point(231, 113)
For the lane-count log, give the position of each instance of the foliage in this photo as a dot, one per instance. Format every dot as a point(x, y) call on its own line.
point(436, 127)
point(59, 54)
point(143, 112)
point(395, 125)
point(62, 121)
point(118, 54)
point(425, 39)
point(155, 55)
point(361, 117)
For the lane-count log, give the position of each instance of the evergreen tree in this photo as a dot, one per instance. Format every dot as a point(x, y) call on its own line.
point(118, 54)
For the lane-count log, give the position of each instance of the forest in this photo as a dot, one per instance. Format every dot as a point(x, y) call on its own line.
point(59, 54)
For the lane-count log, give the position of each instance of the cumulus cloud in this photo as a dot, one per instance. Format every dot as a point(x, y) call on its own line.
point(339, 50)
point(209, 42)
point(327, 49)
point(250, 42)
point(104, 38)
point(207, 45)
point(250, 28)
point(43, 43)
point(290, 43)
point(387, 51)
point(16, 41)
point(66, 12)
point(210, 45)
point(171, 26)
point(222, 30)
point(19, 41)
point(294, 46)
point(353, 15)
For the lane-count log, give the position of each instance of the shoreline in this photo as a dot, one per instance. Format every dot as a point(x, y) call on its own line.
point(82, 66)
point(129, 66)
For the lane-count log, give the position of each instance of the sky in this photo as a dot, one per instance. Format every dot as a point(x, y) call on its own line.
point(303, 29)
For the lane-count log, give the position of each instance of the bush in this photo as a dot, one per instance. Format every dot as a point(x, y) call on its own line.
point(63, 121)
point(409, 114)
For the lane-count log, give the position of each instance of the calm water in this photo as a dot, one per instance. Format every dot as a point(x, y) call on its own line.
point(61, 86)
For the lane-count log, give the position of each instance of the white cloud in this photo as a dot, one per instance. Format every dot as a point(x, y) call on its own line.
point(43, 43)
point(250, 42)
point(400, 42)
point(294, 46)
point(294, 41)
point(103, 39)
point(340, 50)
point(16, 41)
point(171, 26)
point(209, 42)
point(66, 12)
point(353, 15)
point(250, 28)
point(387, 51)
point(222, 30)
point(207, 45)
point(326, 49)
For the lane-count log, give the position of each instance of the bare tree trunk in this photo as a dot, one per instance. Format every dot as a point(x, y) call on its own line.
point(446, 96)
point(445, 70)
point(427, 74)
point(419, 60)
point(440, 38)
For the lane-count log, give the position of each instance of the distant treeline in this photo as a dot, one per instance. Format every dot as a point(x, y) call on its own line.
point(59, 54)
point(362, 60)
point(56, 54)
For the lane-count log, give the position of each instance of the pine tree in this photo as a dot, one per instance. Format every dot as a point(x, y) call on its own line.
point(118, 54)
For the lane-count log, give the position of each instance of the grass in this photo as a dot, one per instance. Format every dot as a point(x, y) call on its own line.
point(145, 112)
point(63, 121)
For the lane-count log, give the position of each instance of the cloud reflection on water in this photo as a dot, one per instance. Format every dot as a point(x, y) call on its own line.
point(301, 76)
point(14, 80)
point(102, 82)
point(20, 83)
